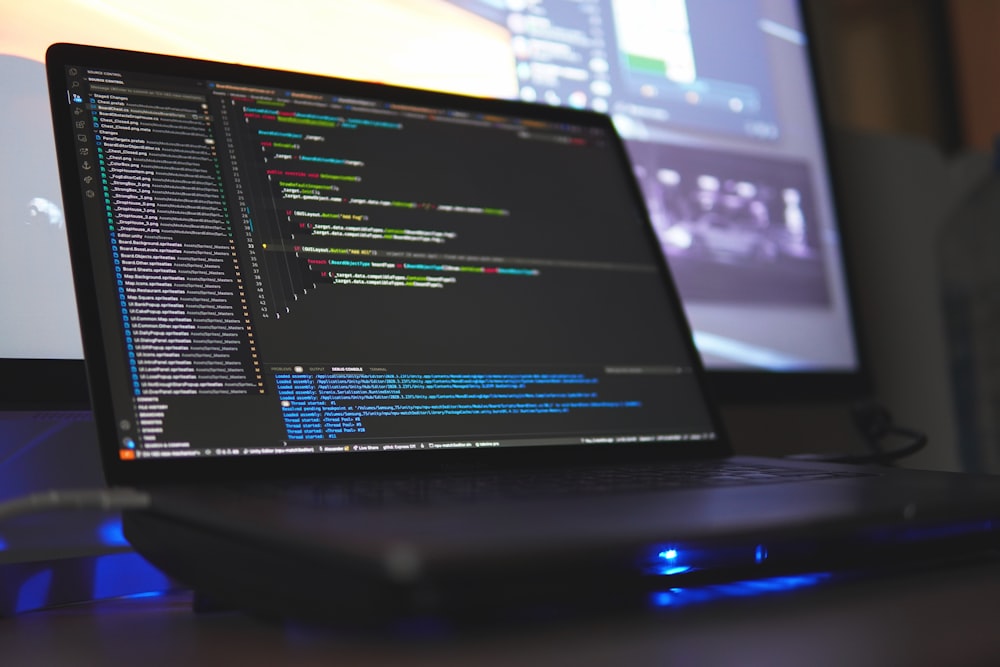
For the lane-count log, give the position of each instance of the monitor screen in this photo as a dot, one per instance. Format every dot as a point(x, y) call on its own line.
point(714, 99)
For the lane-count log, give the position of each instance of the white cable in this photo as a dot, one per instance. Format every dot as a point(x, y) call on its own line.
point(98, 499)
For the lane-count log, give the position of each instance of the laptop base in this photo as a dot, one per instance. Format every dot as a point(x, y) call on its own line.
point(276, 582)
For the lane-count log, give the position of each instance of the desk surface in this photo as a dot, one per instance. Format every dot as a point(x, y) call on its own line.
point(938, 617)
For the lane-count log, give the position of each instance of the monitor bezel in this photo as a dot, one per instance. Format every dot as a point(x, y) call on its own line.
point(44, 384)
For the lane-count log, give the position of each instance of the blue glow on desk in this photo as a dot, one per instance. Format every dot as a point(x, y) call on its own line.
point(147, 594)
point(32, 586)
point(110, 533)
point(116, 575)
point(684, 596)
point(34, 592)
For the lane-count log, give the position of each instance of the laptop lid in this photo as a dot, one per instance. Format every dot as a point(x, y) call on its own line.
point(280, 273)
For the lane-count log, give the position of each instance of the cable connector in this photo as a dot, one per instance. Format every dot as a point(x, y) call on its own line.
point(874, 423)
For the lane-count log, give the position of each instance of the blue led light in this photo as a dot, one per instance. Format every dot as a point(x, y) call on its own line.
point(760, 553)
point(668, 563)
point(3, 544)
point(110, 533)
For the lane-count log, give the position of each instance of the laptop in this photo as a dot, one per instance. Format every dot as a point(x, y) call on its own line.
point(377, 352)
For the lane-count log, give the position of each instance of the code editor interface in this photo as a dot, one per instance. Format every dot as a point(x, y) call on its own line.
point(297, 272)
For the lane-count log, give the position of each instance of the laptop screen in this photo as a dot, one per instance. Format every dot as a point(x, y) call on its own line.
point(295, 265)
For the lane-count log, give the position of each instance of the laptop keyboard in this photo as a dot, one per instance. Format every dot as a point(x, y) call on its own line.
point(485, 487)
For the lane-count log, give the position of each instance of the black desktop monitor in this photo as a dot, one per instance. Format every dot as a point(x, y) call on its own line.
point(715, 98)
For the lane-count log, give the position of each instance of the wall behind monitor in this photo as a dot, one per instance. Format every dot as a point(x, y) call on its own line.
point(921, 68)
point(976, 55)
point(911, 92)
